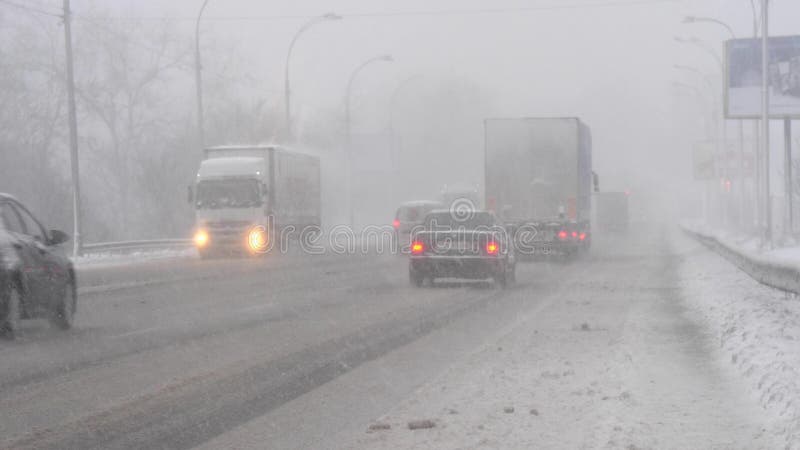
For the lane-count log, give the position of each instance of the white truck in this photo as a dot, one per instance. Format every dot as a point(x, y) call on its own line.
point(247, 196)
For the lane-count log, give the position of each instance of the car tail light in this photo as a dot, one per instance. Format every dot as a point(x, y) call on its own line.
point(562, 235)
point(492, 248)
point(417, 248)
point(396, 223)
point(574, 234)
point(582, 236)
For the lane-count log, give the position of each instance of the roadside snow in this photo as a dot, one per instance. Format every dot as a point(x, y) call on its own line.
point(118, 259)
point(758, 332)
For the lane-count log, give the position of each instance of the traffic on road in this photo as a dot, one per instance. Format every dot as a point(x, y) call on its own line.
point(351, 224)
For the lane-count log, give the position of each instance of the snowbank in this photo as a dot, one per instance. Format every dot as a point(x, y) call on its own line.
point(758, 331)
point(774, 268)
point(117, 259)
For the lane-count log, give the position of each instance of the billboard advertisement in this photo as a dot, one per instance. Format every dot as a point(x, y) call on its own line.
point(743, 78)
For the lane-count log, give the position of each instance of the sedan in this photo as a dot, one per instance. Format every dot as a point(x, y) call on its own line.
point(36, 278)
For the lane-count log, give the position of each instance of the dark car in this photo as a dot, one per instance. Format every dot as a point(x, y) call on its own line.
point(36, 278)
point(461, 244)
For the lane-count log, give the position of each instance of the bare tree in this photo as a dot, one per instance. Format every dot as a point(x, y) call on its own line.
point(31, 131)
point(124, 88)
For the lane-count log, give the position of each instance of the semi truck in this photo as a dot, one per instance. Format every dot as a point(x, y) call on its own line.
point(539, 182)
point(246, 196)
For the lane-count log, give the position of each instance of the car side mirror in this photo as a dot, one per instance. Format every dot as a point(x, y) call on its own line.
point(58, 237)
point(189, 194)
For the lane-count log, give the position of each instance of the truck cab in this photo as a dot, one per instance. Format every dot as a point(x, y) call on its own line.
point(231, 199)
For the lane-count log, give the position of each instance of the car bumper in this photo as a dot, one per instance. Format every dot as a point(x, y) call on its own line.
point(469, 267)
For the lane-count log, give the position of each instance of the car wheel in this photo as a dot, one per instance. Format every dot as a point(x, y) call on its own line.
point(416, 278)
point(10, 313)
point(63, 314)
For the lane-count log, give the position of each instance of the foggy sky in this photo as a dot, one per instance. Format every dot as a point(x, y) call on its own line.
point(610, 65)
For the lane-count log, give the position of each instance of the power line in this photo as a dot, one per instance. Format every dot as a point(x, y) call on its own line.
point(443, 12)
point(31, 9)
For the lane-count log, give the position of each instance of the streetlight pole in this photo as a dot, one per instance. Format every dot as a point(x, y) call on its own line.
point(693, 19)
point(765, 114)
point(198, 79)
point(73, 133)
point(287, 90)
point(348, 132)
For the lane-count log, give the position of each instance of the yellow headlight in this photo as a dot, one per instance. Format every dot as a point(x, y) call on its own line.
point(201, 238)
point(257, 239)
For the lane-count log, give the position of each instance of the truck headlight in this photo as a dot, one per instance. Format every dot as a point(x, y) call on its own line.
point(201, 238)
point(257, 239)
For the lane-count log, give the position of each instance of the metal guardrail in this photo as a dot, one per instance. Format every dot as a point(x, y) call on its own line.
point(784, 276)
point(131, 246)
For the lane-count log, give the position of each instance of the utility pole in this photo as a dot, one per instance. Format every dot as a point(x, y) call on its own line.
point(757, 163)
point(788, 220)
point(73, 135)
point(765, 115)
point(198, 79)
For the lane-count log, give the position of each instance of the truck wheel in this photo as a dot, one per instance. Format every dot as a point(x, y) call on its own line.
point(63, 314)
point(416, 278)
point(10, 312)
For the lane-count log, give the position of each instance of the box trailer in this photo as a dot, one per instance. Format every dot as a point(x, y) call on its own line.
point(539, 182)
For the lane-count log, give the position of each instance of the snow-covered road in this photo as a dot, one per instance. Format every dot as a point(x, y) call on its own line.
point(651, 341)
point(625, 357)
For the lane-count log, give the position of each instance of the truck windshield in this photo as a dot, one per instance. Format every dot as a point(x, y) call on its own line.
point(213, 194)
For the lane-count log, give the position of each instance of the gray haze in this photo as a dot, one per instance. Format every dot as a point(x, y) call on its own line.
point(608, 62)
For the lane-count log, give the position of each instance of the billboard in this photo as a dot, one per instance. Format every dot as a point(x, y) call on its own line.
point(743, 78)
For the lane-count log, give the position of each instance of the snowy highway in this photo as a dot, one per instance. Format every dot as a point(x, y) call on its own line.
point(302, 351)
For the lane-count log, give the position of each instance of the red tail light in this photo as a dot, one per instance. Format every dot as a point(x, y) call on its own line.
point(574, 234)
point(396, 223)
point(582, 236)
point(492, 248)
point(563, 235)
point(417, 248)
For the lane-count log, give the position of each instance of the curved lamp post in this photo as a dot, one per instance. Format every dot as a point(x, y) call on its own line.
point(287, 90)
point(348, 131)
